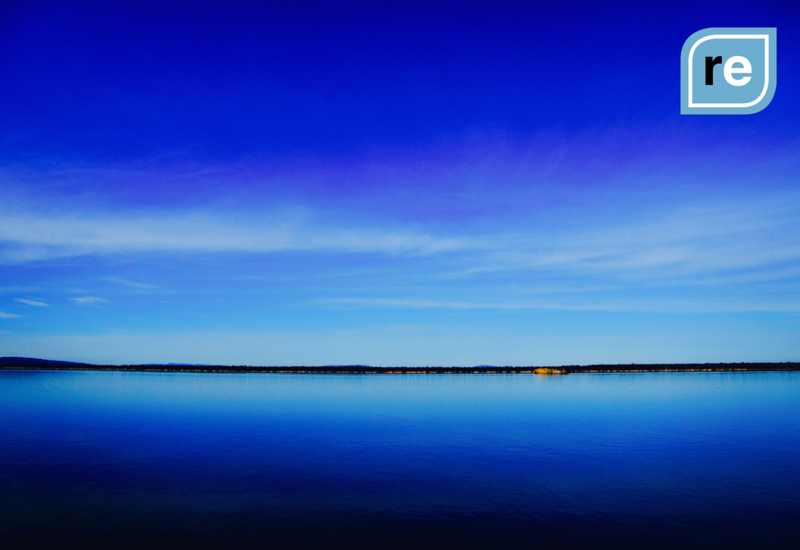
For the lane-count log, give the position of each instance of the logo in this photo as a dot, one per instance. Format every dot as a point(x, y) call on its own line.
point(728, 71)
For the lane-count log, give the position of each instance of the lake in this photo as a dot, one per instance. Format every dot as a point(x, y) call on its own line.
point(661, 460)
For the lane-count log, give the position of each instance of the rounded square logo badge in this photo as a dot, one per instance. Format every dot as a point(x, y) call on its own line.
point(728, 71)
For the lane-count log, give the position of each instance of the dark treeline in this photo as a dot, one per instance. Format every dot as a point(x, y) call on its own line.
point(22, 363)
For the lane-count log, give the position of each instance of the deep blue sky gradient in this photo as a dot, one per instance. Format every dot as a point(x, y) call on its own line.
point(464, 183)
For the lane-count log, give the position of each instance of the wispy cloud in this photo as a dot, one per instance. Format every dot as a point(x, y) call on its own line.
point(4, 315)
point(87, 300)
point(419, 303)
point(33, 237)
point(130, 284)
point(607, 304)
point(758, 240)
point(692, 242)
point(30, 302)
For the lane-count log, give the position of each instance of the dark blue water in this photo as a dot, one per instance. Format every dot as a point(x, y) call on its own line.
point(400, 461)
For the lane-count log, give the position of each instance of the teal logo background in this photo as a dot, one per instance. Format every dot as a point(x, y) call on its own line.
point(728, 71)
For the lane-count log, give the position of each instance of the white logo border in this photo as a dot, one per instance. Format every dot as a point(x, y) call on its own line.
point(764, 37)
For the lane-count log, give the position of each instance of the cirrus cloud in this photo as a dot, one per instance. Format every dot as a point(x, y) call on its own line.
point(28, 302)
point(86, 300)
point(745, 238)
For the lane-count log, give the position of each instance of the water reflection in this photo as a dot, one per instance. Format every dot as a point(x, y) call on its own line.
point(112, 458)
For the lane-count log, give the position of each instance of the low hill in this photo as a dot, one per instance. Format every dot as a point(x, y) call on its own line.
point(38, 362)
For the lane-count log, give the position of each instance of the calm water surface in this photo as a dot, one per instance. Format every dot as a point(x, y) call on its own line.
point(109, 459)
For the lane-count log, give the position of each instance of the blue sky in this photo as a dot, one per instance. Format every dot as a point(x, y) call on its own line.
point(470, 183)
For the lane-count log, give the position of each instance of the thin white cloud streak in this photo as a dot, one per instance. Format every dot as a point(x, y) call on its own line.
point(754, 240)
point(696, 242)
point(87, 300)
point(418, 304)
point(130, 284)
point(37, 237)
point(4, 315)
point(703, 305)
point(27, 302)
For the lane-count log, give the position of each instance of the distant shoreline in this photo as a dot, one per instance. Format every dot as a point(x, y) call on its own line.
point(40, 364)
